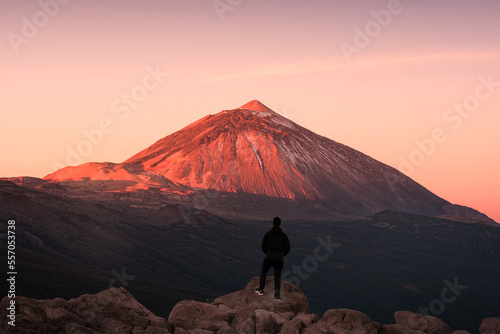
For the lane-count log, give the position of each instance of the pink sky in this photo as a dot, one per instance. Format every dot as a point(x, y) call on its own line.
point(418, 60)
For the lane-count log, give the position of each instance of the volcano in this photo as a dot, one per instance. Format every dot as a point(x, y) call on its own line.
point(254, 150)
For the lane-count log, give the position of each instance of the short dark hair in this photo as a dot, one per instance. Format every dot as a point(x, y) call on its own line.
point(276, 221)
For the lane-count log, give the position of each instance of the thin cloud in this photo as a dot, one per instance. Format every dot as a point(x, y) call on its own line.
point(329, 66)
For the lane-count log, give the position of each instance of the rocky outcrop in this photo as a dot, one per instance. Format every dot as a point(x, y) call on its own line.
point(242, 312)
point(418, 322)
point(490, 326)
point(246, 312)
point(111, 311)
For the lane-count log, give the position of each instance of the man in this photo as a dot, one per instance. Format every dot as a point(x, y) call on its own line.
point(275, 245)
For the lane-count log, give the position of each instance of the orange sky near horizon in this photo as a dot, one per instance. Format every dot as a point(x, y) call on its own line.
point(414, 84)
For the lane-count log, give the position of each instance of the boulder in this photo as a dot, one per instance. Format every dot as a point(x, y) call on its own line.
point(293, 300)
point(342, 321)
point(112, 311)
point(192, 331)
point(426, 324)
point(490, 326)
point(242, 312)
point(293, 326)
point(246, 327)
point(265, 323)
point(226, 330)
point(244, 303)
point(398, 329)
point(245, 311)
point(190, 314)
point(299, 322)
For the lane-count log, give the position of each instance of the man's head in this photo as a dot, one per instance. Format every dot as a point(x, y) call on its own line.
point(276, 221)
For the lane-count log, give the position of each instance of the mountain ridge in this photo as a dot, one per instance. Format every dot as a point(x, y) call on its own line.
point(254, 150)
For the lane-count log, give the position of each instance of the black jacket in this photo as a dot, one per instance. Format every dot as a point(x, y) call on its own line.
point(275, 244)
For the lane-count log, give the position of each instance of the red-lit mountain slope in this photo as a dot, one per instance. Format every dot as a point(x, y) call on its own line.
point(254, 150)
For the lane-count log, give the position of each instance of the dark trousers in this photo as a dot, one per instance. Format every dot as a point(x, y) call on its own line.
point(277, 268)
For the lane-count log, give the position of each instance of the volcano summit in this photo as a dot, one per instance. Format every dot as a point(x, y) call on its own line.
point(254, 151)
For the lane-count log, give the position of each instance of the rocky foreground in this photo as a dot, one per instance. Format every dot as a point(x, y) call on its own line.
point(116, 311)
